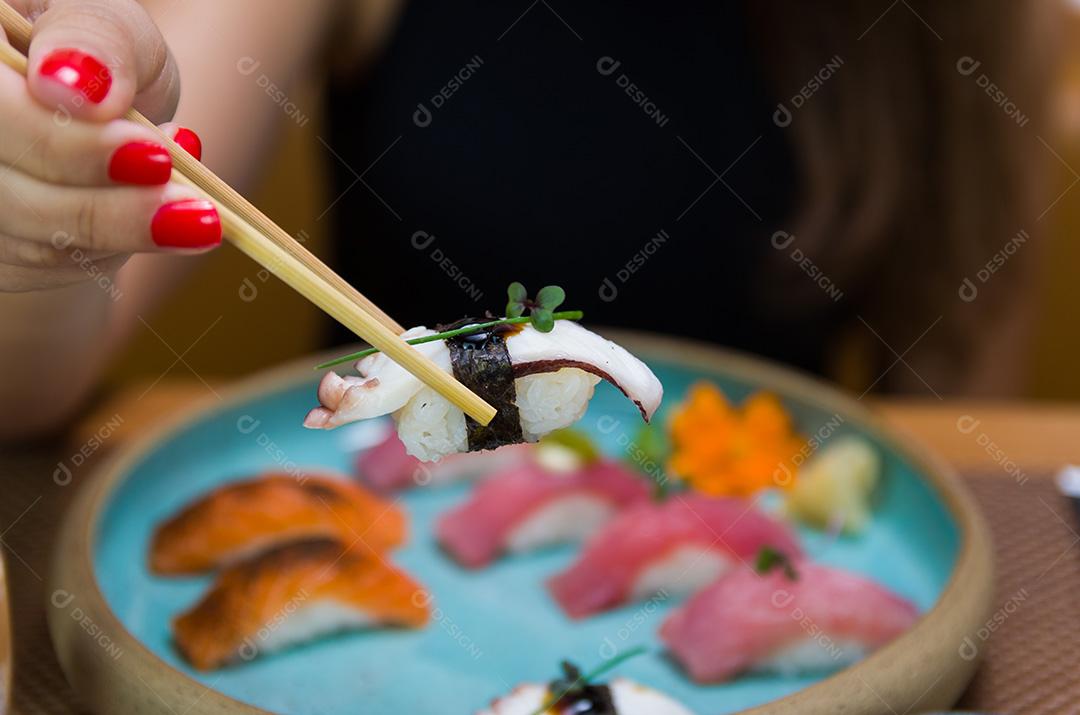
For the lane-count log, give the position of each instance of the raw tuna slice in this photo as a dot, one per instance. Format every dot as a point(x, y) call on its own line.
point(824, 619)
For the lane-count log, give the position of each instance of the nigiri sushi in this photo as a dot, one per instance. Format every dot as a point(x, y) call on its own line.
point(243, 518)
point(823, 619)
point(620, 697)
point(577, 692)
point(671, 548)
point(387, 467)
point(529, 506)
point(538, 382)
point(293, 594)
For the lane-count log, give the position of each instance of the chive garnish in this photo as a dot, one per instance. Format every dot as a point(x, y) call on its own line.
point(541, 311)
point(447, 334)
point(578, 680)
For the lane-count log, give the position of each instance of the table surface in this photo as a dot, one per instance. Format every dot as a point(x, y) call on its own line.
point(1028, 665)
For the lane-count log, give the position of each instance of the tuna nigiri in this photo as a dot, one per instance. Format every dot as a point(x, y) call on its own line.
point(387, 467)
point(673, 548)
point(823, 619)
point(293, 594)
point(538, 382)
point(530, 506)
point(243, 518)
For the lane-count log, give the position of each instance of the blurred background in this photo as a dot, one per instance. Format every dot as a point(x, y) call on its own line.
point(279, 325)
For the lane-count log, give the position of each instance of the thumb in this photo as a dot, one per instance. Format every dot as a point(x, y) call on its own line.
point(94, 59)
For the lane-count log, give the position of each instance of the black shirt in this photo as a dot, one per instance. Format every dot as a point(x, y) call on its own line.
point(623, 150)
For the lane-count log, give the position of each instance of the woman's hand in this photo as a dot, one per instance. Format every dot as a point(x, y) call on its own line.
point(80, 188)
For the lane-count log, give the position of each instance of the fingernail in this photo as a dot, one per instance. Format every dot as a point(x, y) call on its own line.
point(193, 223)
point(190, 141)
point(143, 163)
point(80, 71)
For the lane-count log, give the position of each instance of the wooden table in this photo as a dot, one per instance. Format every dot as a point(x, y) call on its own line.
point(991, 436)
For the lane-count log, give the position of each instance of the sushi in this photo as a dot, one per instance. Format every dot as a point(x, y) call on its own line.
point(670, 548)
point(292, 594)
point(530, 506)
point(823, 619)
point(538, 382)
point(577, 692)
point(386, 466)
point(620, 697)
point(243, 518)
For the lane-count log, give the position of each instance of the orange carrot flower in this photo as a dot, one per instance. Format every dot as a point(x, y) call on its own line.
point(723, 450)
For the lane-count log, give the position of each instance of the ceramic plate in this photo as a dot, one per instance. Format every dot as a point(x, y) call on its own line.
point(494, 628)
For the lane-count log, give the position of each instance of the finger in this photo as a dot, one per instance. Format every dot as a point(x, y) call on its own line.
point(37, 254)
point(52, 147)
point(16, 279)
point(183, 136)
point(96, 58)
point(56, 149)
point(116, 219)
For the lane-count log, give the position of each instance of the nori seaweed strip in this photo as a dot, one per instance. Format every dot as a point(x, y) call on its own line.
point(481, 362)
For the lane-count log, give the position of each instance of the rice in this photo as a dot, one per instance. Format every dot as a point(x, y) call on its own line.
point(549, 401)
point(431, 427)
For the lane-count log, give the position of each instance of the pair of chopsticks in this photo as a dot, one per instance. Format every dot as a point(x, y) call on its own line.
point(268, 244)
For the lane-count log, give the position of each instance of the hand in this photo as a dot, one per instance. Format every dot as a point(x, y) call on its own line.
point(80, 188)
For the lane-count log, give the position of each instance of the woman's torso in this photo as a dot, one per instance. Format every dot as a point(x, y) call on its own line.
point(625, 151)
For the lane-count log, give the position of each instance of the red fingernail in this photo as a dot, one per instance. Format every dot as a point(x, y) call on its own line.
point(78, 70)
point(193, 223)
point(144, 163)
point(190, 141)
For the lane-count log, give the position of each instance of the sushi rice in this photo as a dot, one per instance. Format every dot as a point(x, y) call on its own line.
point(431, 427)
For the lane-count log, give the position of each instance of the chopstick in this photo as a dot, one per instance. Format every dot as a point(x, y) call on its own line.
point(261, 239)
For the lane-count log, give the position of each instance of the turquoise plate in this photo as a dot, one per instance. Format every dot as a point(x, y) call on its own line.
point(494, 628)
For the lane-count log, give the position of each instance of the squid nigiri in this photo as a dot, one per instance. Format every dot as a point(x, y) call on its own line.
point(538, 382)
point(822, 619)
point(243, 518)
point(671, 548)
point(531, 506)
point(293, 594)
point(387, 467)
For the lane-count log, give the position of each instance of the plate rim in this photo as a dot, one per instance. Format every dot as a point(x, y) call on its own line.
point(120, 686)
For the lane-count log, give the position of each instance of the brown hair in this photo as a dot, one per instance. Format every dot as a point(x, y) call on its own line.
point(912, 177)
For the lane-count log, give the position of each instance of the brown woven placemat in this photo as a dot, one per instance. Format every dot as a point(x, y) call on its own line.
point(1030, 655)
point(1031, 663)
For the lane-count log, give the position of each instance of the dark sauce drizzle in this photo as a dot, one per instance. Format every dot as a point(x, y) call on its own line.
point(574, 696)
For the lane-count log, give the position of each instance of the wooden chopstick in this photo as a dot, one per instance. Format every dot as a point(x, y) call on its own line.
point(256, 235)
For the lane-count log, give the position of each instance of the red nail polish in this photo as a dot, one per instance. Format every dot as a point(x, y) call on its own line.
point(193, 223)
point(143, 163)
point(190, 141)
point(78, 70)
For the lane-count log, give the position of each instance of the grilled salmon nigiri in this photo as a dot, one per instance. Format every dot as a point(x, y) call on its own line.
point(244, 518)
point(292, 594)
